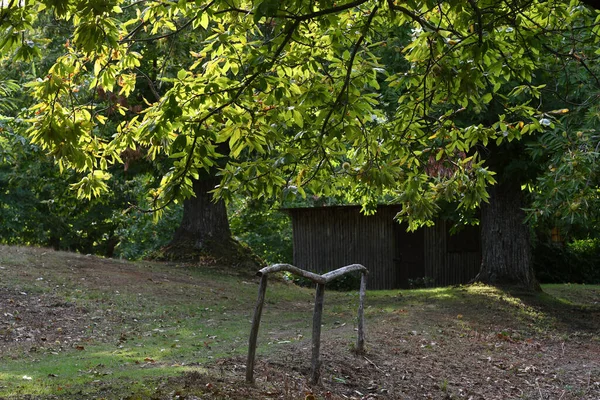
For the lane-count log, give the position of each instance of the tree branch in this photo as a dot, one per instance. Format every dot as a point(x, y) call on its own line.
point(574, 57)
point(424, 23)
point(347, 79)
point(235, 97)
point(304, 17)
point(479, 20)
point(129, 38)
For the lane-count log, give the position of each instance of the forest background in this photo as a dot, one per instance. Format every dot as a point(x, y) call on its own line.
point(112, 109)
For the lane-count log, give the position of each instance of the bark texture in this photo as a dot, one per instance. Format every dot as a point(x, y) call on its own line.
point(203, 221)
point(262, 289)
point(506, 248)
point(204, 233)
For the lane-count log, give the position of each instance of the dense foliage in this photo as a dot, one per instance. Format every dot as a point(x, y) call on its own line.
point(575, 262)
point(359, 101)
point(292, 89)
point(264, 228)
point(39, 207)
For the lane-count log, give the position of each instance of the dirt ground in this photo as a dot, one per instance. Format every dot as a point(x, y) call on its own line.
point(418, 347)
point(429, 356)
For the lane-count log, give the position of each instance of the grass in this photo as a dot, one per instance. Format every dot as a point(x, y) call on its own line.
point(120, 330)
point(151, 327)
point(574, 294)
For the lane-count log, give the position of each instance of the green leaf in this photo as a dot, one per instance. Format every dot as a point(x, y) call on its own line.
point(298, 118)
point(204, 20)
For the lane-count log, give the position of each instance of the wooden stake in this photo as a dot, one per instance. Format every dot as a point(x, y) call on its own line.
point(320, 280)
point(255, 325)
point(360, 341)
point(316, 334)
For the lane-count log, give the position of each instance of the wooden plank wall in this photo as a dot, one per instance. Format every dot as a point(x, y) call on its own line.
point(331, 237)
point(328, 238)
point(435, 251)
point(450, 267)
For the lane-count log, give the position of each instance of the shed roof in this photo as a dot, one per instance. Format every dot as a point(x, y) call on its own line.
point(338, 206)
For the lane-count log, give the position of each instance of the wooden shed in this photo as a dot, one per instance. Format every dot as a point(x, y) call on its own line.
point(326, 238)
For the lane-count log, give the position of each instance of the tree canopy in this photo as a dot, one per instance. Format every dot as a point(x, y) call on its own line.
point(294, 96)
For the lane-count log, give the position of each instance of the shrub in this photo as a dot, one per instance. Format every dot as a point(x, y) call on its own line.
point(574, 262)
point(142, 236)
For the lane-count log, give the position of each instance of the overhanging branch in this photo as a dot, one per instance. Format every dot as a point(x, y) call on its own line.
point(348, 77)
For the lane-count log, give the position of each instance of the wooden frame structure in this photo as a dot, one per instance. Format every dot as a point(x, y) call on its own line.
point(320, 280)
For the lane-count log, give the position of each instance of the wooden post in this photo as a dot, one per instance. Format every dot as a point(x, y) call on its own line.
point(255, 325)
point(320, 280)
point(360, 341)
point(316, 334)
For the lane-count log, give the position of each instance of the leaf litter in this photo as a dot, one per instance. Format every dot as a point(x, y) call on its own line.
point(418, 347)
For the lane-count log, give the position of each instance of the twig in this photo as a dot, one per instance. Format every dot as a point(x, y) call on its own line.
point(479, 20)
point(373, 364)
point(539, 389)
point(305, 17)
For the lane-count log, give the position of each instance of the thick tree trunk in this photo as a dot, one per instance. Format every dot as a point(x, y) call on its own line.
point(204, 233)
point(506, 248)
point(204, 221)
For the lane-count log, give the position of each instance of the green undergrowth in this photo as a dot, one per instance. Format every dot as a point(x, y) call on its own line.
point(128, 327)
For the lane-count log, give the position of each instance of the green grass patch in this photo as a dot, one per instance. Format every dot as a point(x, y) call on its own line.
point(575, 294)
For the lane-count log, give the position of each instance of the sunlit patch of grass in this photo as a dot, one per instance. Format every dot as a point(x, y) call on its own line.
point(533, 317)
point(447, 292)
point(574, 294)
point(156, 328)
point(71, 371)
point(440, 292)
point(472, 303)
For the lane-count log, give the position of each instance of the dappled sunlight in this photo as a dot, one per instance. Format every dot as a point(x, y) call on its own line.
point(574, 294)
point(474, 305)
point(30, 384)
point(526, 313)
point(481, 289)
point(426, 294)
point(72, 371)
point(138, 342)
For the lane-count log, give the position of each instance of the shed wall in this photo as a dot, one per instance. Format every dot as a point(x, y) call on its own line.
point(330, 238)
point(327, 238)
point(451, 265)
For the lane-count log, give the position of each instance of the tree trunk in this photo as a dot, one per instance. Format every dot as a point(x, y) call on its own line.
point(204, 233)
point(204, 221)
point(506, 248)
